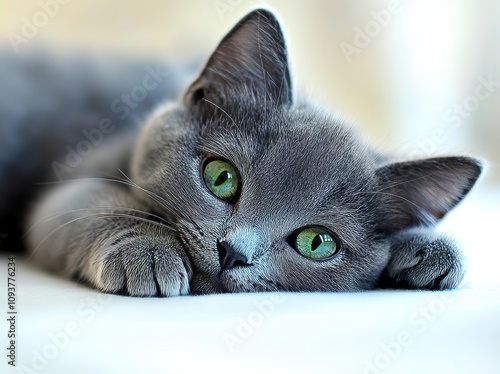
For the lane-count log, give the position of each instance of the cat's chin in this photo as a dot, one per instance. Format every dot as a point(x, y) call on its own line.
point(230, 281)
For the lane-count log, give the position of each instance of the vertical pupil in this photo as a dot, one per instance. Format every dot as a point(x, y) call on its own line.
point(317, 241)
point(223, 177)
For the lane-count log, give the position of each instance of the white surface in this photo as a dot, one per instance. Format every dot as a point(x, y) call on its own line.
point(396, 332)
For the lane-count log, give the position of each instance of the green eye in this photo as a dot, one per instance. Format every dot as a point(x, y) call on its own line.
point(221, 178)
point(316, 243)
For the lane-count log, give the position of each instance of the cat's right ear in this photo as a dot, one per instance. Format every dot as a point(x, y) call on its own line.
point(422, 192)
point(249, 66)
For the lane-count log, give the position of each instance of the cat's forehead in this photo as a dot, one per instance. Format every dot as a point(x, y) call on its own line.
point(291, 151)
point(291, 140)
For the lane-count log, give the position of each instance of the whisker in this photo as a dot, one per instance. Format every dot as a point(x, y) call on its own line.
point(158, 199)
point(223, 111)
point(236, 138)
point(162, 203)
point(104, 215)
point(405, 182)
point(155, 197)
point(62, 213)
point(150, 193)
point(387, 193)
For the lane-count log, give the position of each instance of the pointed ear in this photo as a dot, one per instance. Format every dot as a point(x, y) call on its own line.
point(420, 193)
point(249, 65)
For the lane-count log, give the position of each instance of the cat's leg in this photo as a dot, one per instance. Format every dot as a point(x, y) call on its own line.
point(83, 230)
point(423, 259)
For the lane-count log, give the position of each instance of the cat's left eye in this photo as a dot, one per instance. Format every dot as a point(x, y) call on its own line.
point(315, 242)
point(221, 179)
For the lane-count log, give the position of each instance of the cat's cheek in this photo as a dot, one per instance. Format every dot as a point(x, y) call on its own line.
point(296, 273)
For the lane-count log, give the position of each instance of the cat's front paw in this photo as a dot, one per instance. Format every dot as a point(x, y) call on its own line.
point(422, 259)
point(139, 265)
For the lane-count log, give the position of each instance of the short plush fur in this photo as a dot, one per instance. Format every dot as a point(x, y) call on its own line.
point(155, 229)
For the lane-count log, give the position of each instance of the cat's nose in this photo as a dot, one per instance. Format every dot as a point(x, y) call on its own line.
point(229, 257)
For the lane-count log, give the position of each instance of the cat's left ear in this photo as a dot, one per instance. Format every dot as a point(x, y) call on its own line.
point(250, 65)
point(420, 193)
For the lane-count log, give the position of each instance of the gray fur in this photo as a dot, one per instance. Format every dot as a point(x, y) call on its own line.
point(156, 233)
point(421, 258)
point(47, 99)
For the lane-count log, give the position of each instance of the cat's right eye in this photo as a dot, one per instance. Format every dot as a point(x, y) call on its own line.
point(221, 179)
point(315, 242)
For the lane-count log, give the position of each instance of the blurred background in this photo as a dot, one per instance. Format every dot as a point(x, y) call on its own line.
point(420, 78)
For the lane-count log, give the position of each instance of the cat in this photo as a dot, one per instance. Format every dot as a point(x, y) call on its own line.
point(242, 187)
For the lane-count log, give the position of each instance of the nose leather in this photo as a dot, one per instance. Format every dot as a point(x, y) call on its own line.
point(229, 257)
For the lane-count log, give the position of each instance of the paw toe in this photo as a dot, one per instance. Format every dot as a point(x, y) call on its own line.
point(436, 265)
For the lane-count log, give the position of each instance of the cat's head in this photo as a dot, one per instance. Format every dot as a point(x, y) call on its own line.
point(270, 194)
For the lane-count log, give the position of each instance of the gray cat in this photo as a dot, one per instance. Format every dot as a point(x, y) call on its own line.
point(243, 188)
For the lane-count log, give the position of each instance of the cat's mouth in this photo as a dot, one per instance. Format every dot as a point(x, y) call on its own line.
point(229, 281)
point(233, 280)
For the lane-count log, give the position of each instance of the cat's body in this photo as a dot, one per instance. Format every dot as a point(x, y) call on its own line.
point(241, 188)
point(49, 101)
